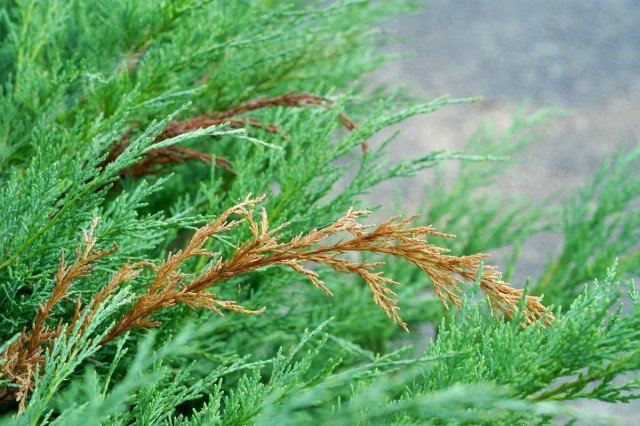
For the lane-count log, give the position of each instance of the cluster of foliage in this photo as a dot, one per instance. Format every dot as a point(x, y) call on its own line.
point(133, 135)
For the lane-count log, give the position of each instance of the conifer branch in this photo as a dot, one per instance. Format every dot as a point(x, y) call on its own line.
point(26, 353)
point(157, 160)
point(170, 286)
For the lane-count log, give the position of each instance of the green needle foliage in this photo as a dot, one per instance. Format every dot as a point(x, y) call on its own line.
point(142, 283)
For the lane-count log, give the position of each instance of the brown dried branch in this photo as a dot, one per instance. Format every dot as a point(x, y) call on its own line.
point(170, 286)
point(288, 100)
point(25, 354)
point(157, 161)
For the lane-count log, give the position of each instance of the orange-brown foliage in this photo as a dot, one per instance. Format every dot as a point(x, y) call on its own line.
point(157, 160)
point(170, 286)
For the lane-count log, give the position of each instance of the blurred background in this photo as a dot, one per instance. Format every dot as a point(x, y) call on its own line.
point(582, 56)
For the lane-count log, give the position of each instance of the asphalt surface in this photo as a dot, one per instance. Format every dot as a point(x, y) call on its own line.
point(583, 56)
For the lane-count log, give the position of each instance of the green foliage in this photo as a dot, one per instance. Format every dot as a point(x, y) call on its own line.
point(64, 357)
point(78, 78)
point(584, 346)
point(600, 222)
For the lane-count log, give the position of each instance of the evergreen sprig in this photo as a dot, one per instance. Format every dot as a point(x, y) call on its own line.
point(160, 117)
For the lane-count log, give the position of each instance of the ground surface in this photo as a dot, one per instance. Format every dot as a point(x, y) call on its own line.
point(582, 56)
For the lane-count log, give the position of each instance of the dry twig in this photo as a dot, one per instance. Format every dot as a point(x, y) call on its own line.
point(156, 161)
point(26, 353)
point(170, 286)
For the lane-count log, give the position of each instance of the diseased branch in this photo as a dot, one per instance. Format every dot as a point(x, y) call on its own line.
point(157, 161)
point(170, 286)
point(288, 100)
point(26, 353)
